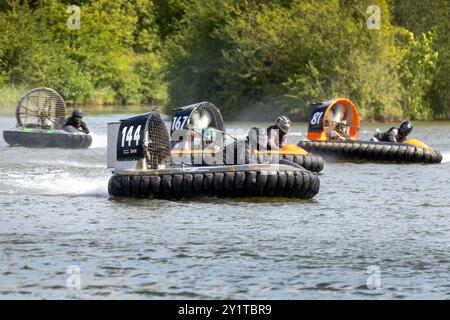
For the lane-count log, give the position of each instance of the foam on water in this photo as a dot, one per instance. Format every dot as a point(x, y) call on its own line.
point(68, 163)
point(99, 141)
point(61, 183)
point(445, 156)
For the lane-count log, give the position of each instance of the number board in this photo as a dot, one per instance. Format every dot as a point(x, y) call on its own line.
point(130, 142)
point(316, 119)
point(180, 120)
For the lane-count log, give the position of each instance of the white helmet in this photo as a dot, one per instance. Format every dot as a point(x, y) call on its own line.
point(284, 124)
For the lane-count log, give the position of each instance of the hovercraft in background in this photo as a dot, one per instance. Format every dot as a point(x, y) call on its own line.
point(139, 153)
point(199, 138)
point(331, 119)
point(40, 115)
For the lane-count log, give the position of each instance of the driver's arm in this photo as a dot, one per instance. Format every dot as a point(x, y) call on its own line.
point(84, 127)
point(341, 137)
point(271, 141)
point(392, 135)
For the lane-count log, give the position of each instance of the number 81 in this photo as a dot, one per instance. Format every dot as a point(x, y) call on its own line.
point(316, 118)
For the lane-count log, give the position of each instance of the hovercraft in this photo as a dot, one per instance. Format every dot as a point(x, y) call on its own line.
point(332, 119)
point(139, 153)
point(40, 116)
point(199, 138)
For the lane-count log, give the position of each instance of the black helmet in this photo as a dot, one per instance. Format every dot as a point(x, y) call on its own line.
point(77, 113)
point(284, 124)
point(405, 128)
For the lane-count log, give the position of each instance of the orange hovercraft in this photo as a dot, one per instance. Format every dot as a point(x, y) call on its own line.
point(199, 138)
point(333, 133)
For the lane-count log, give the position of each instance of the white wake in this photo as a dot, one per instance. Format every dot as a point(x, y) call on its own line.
point(445, 156)
point(62, 184)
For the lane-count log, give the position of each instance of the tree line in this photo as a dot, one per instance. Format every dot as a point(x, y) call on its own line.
point(253, 58)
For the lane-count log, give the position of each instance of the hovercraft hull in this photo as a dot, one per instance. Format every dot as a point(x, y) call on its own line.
point(372, 151)
point(47, 139)
point(221, 181)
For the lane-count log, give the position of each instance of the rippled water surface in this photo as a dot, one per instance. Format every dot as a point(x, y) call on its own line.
point(55, 213)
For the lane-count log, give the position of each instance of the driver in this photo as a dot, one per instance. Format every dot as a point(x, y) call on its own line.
point(337, 124)
point(209, 139)
point(75, 122)
point(395, 134)
point(277, 133)
point(340, 131)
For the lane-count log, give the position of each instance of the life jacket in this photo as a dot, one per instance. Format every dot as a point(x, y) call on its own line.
point(282, 137)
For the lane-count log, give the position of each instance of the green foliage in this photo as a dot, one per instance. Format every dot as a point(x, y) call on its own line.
point(38, 49)
point(67, 79)
point(422, 17)
point(194, 54)
point(149, 68)
point(439, 94)
point(168, 14)
point(260, 59)
point(253, 58)
point(415, 71)
point(9, 96)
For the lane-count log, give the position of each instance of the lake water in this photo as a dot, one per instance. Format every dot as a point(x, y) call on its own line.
point(56, 218)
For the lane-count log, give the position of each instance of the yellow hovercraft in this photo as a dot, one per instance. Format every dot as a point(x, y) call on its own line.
point(199, 138)
point(333, 133)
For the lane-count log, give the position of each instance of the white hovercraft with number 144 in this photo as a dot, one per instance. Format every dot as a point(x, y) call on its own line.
point(139, 153)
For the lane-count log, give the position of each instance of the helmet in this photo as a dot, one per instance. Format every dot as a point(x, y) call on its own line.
point(284, 124)
point(405, 128)
point(77, 113)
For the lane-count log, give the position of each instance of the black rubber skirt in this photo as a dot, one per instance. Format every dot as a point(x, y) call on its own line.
point(310, 162)
point(223, 181)
point(244, 155)
point(372, 151)
point(47, 140)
